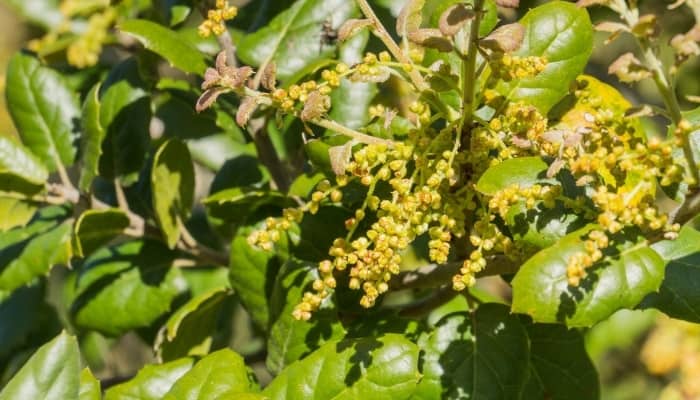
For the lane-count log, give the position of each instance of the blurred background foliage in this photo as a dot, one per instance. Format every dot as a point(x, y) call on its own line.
point(639, 354)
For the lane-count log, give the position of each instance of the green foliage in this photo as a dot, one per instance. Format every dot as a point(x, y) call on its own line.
point(309, 214)
point(53, 372)
point(541, 290)
point(44, 110)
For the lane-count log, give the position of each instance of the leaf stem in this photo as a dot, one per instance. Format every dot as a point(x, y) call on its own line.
point(343, 130)
point(381, 32)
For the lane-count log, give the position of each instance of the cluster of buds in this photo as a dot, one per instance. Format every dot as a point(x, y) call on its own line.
point(274, 229)
point(503, 200)
point(507, 67)
point(216, 19)
point(85, 51)
point(418, 204)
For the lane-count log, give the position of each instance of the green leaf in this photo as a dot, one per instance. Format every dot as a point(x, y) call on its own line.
point(51, 374)
point(126, 286)
point(89, 386)
point(213, 376)
point(44, 110)
point(561, 32)
point(19, 185)
point(93, 135)
point(236, 205)
point(125, 113)
point(15, 213)
point(172, 185)
point(523, 171)
point(620, 280)
point(479, 357)
point(26, 314)
point(96, 228)
point(540, 226)
point(293, 38)
point(383, 368)
point(166, 43)
point(17, 159)
point(289, 339)
point(317, 235)
point(189, 330)
point(560, 366)
point(41, 252)
point(678, 296)
point(352, 99)
point(253, 272)
point(152, 382)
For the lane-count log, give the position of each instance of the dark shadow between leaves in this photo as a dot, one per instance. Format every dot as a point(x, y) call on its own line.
point(453, 360)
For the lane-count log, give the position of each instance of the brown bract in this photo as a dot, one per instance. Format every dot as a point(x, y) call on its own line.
point(505, 39)
point(454, 18)
point(352, 27)
point(220, 80)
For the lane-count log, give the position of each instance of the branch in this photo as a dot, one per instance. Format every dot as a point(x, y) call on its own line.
point(381, 32)
point(434, 275)
point(343, 130)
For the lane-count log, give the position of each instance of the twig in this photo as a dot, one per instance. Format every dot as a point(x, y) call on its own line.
point(381, 32)
point(434, 275)
point(226, 44)
point(343, 130)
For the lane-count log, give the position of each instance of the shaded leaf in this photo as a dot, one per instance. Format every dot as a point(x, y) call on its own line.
point(172, 186)
point(96, 228)
point(27, 311)
point(40, 254)
point(125, 286)
point(484, 357)
point(289, 339)
point(125, 113)
point(253, 272)
point(560, 366)
point(189, 330)
point(678, 296)
point(91, 140)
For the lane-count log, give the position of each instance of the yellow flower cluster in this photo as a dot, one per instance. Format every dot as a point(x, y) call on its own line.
point(673, 350)
point(417, 205)
point(507, 67)
point(216, 19)
point(85, 51)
